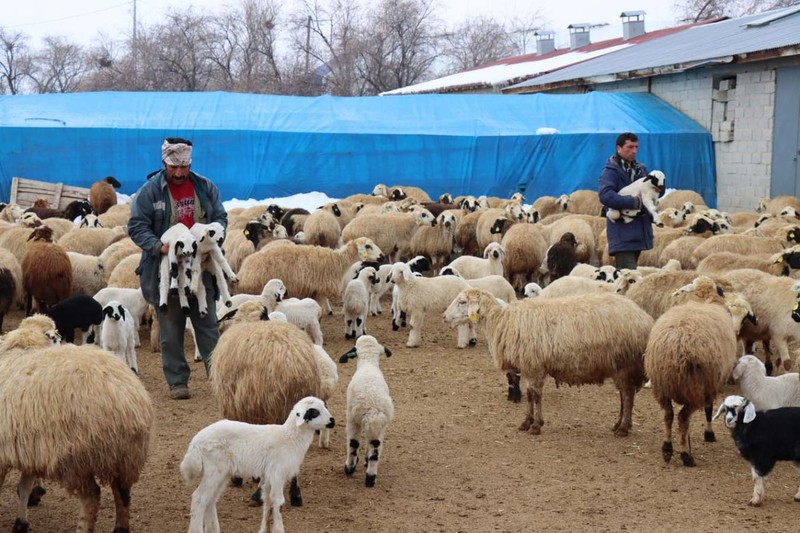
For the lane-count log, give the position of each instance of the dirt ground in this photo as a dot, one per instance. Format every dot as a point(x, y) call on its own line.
point(454, 460)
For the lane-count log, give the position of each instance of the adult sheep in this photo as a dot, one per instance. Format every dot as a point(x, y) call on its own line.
point(92, 241)
point(10, 283)
point(102, 195)
point(676, 198)
point(322, 229)
point(46, 271)
point(250, 354)
point(105, 441)
point(391, 232)
point(538, 338)
point(690, 354)
point(738, 244)
point(526, 249)
point(308, 271)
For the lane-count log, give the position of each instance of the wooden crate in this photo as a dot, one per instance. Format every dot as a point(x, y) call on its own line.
point(24, 192)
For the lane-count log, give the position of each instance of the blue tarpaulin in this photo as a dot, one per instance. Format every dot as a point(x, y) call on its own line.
point(260, 146)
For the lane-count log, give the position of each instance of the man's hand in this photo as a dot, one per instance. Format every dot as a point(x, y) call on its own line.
point(164, 249)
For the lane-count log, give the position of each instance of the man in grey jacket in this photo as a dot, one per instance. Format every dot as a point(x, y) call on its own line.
point(171, 195)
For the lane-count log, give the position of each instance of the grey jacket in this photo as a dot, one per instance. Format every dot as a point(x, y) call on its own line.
point(151, 213)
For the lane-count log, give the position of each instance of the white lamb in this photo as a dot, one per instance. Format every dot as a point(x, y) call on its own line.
point(176, 265)
point(272, 452)
point(647, 189)
point(766, 392)
point(490, 264)
point(210, 258)
point(369, 406)
point(118, 334)
point(355, 302)
point(131, 299)
point(379, 289)
point(532, 290)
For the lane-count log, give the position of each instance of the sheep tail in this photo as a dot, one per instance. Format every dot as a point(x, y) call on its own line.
point(192, 465)
point(374, 422)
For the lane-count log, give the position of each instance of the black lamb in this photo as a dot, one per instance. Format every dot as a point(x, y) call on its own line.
point(76, 312)
point(763, 438)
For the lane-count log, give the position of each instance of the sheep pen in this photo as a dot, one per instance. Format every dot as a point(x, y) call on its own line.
point(451, 418)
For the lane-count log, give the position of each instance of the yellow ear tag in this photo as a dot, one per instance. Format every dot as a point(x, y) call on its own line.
point(473, 317)
point(780, 259)
point(716, 232)
point(246, 233)
point(796, 306)
point(791, 235)
point(362, 252)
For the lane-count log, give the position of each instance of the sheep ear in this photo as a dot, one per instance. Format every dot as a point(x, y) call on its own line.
point(749, 413)
point(108, 310)
point(227, 316)
point(265, 314)
point(122, 312)
point(719, 411)
point(352, 354)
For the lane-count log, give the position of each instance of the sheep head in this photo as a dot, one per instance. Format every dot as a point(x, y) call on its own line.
point(424, 218)
point(276, 211)
point(657, 180)
point(740, 310)
point(467, 306)
point(30, 220)
point(735, 407)
point(469, 204)
point(762, 205)
point(702, 289)
point(563, 201)
point(42, 234)
point(446, 198)
point(532, 290)
point(367, 348)
point(400, 273)
point(368, 250)
point(702, 224)
point(514, 211)
point(447, 220)
point(381, 190)
point(494, 251)
point(311, 411)
point(745, 362)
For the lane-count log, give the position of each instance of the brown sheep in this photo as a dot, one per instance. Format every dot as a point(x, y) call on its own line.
point(46, 271)
point(102, 194)
point(561, 257)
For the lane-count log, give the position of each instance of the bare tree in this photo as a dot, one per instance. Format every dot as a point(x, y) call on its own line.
point(477, 41)
point(400, 43)
point(15, 61)
point(58, 67)
point(696, 10)
point(327, 36)
point(522, 30)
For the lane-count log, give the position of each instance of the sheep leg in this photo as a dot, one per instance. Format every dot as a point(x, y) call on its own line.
point(624, 424)
point(90, 502)
point(222, 284)
point(415, 331)
point(463, 336)
point(163, 284)
point(295, 497)
point(183, 295)
point(204, 500)
point(669, 417)
point(315, 332)
point(684, 416)
point(222, 264)
point(131, 356)
point(783, 353)
point(514, 392)
point(122, 506)
point(351, 459)
point(372, 459)
point(758, 489)
point(708, 434)
point(276, 501)
point(534, 420)
point(473, 334)
point(348, 327)
point(324, 438)
point(24, 488)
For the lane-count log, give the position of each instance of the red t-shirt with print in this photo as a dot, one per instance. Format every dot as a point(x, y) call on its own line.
point(184, 201)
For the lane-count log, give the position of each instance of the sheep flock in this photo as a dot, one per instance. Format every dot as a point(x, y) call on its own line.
point(496, 399)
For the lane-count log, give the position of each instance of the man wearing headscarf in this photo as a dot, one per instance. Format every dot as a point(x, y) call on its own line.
point(171, 195)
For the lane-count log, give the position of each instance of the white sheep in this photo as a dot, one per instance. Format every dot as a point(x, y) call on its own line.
point(532, 290)
point(537, 338)
point(766, 392)
point(647, 189)
point(271, 452)
point(88, 273)
point(119, 333)
point(418, 296)
point(132, 299)
point(355, 302)
point(369, 406)
point(209, 258)
point(497, 285)
point(476, 267)
point(176, 266)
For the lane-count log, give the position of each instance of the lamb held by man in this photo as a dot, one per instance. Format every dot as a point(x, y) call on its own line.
point(647, 189)
point(210, 258)
point(175, 272)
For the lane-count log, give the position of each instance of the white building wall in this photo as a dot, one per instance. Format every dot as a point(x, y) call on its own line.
point(740, 121)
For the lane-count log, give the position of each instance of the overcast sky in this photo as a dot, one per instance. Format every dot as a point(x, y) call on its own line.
point(82, 20)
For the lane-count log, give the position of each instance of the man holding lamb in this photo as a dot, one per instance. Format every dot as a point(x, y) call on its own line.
point(175, 195)
point(625, 240)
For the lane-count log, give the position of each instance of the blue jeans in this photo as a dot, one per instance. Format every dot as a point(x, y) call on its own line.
point(172, 327)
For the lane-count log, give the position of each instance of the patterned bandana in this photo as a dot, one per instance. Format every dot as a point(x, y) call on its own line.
point(176, 155)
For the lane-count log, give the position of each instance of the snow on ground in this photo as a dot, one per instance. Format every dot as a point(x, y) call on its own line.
point(309, 201)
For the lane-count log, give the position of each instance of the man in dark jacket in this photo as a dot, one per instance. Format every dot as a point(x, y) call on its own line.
point(625, 240)
point(171, 195)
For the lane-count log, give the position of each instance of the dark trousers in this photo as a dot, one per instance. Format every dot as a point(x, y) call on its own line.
point(629, 260)
point(172, 326)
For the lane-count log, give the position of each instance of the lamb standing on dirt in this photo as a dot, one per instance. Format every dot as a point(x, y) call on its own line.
point(355, 302)
point(369, 406)
point(766, 392)
point(271, 452)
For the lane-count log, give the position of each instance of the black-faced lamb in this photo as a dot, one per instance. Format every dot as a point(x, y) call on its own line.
point(176, 267)
point(369, 406)
point(355, 302)
point(647, 188)
point(537, 338)
point(118, 334)
point(763, 438)
point(80, 311)
point(209, 258)
point(271, 452)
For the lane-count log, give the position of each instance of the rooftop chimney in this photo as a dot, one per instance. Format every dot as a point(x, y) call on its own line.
point(545, 42)
point(632, 24)
point(579, 35)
